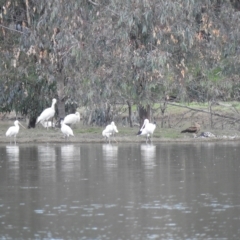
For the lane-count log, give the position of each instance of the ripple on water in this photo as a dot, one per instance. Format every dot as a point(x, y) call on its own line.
point(39, 211)
point(179, 206)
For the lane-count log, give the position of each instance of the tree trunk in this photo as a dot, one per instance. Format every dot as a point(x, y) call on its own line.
point(130, 113)
point(144, 112)
point(61, 96)
point(163, 108)
point(32, 122)
point(108, 117)
point(28, 15)
point(61, 108)
point(90, 118)
point(211, 115)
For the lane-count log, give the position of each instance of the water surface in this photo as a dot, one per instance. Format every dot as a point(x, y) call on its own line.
point(120, 191)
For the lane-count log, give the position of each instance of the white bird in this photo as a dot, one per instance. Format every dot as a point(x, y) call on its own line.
point(71, 119)
point(13, 130)
point(48, 113)
point(66, 130)
point(109, 131)
point(147, 129)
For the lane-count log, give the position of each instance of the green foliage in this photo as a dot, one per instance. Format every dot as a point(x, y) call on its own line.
point(117, 51)
point(215, 75)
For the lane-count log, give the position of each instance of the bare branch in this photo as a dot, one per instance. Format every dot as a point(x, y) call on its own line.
point(93, 3)
point(205, 111)
point(11, 29)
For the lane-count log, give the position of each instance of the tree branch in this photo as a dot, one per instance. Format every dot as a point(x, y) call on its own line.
point(205, 111)
point(11, 29)
point(93, 3)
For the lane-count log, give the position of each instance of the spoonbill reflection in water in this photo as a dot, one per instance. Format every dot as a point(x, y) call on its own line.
point(13, 153)
point(110, 155)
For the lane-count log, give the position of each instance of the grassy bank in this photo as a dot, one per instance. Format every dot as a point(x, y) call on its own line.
point(176, 118)
point(88, 134)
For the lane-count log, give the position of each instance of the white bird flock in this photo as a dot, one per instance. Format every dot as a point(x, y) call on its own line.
point(13, 131)
point(147, 129)
point(47, 114)
point(66, 130)
point(72, 119)
point(109, 132)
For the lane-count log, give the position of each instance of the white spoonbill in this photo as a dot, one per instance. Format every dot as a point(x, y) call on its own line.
point(48, 113)
point(147, 129)
point(71, 119)
point(66, 130)
point(13, 130)
point(109, 131)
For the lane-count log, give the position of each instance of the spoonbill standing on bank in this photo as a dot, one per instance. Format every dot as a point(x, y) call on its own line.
point(13, 130)
point(109, 131)
point(71, 119)
point(147, 129)
point(66, 130)
point(48, 113)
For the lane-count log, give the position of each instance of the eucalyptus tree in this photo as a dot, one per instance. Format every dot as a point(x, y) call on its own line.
point(102, 53)
point(186, 47)
point(142, 52)
point(21, 87)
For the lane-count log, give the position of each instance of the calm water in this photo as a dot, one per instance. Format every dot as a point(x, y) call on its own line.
point(124, 191)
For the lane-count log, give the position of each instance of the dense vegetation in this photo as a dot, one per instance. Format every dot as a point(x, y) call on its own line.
point(105, 54)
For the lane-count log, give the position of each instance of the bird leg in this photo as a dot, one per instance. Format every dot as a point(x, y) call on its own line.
point(149, 138)
point(114, 137)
